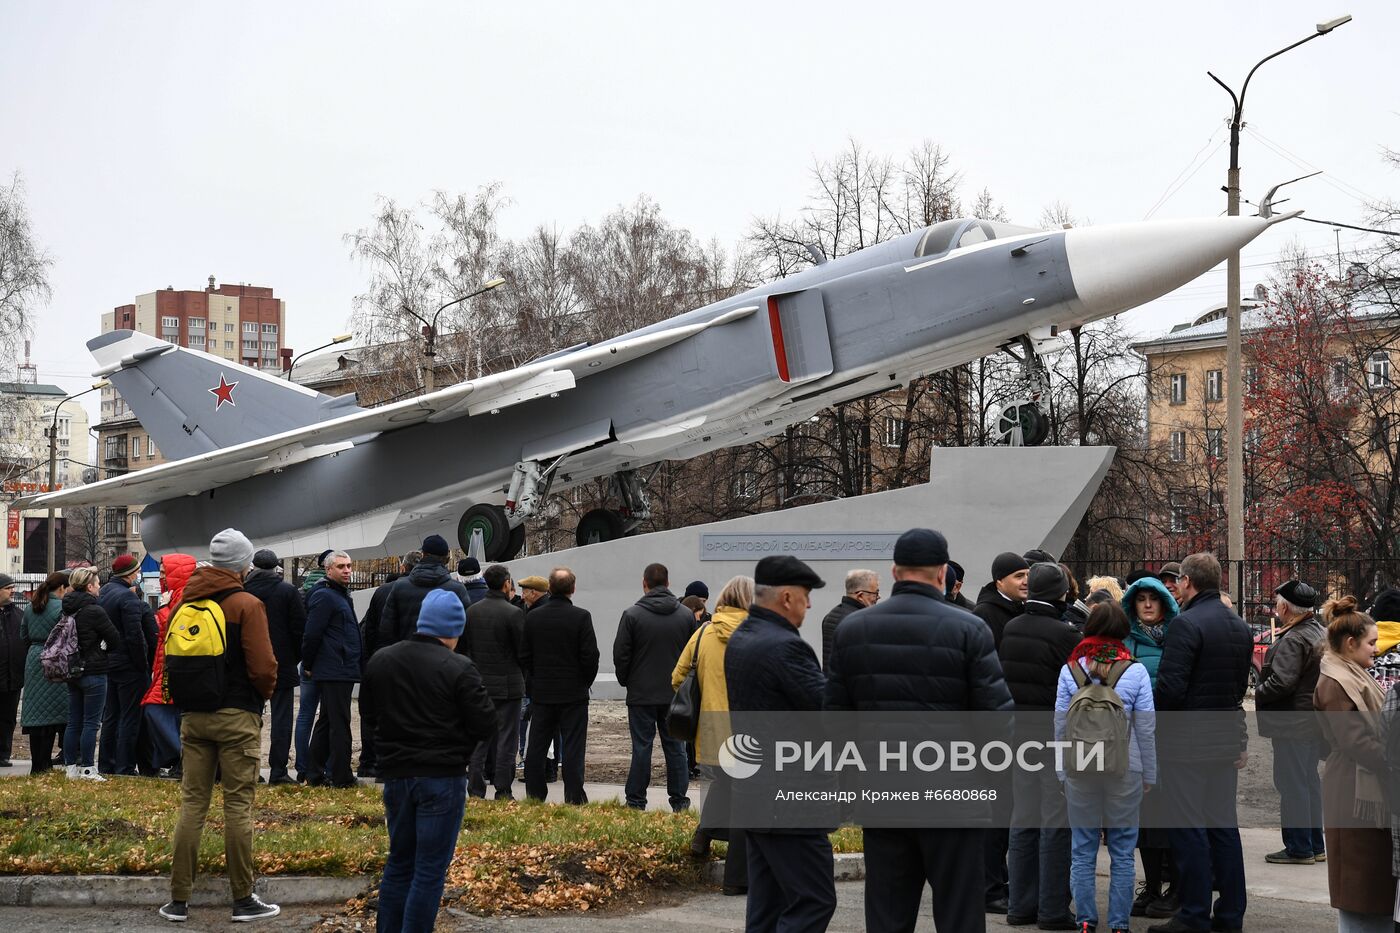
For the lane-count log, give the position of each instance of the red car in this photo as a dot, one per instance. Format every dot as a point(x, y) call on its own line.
point(1263, 641)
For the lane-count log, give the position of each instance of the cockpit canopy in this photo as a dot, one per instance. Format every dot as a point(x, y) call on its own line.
point(964, 231)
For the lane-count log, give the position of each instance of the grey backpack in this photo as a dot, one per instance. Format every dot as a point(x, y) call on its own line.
point(1097, 717)
point(61, 661)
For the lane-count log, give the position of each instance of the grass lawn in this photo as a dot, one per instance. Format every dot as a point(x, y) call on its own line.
point(511, 856)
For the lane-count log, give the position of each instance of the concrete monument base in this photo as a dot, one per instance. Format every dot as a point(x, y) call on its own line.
point(985, 499)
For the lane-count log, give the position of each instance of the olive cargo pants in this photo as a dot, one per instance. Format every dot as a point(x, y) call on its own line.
point(229, 740)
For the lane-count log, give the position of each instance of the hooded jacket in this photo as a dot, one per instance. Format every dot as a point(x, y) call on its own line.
point(476, 589)
point(252, 667)
point(286, 621)
point(12, 648)
point(1146, 649)
point(996, 610)
point(712, 640)
point(176, 569)
point(649, 640)
point(495, 641)
point(95, 631)
point(399, 618)
point(128, 612)
point(330, 649)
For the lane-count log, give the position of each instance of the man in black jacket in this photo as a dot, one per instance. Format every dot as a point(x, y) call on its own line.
point(1033, 650)
point(562, 653)
point(650, 638)
point(400, 613)
point(432, 710)
point(769, 668)
point(862, 589)
point(129, 670)
point(369, 644)
point(914, 651)
point(1284, 699)
point(495, 640)
point(286, 626)
point(997, 604)
point(330, 652)
point(1205, 665)
point(12, 657)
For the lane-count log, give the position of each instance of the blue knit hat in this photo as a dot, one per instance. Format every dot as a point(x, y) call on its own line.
point(442, 615)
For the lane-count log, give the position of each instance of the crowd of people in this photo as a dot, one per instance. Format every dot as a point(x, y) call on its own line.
point(468, 678)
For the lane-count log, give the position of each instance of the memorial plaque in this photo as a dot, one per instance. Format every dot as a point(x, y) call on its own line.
point(812, 546)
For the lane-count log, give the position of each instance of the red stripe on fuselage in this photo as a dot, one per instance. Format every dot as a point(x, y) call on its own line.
point(776, 324)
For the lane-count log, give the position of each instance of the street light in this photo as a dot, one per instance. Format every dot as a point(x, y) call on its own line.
point(430, 329)
point(1233, 365)
point(341, 338)
point(53, 464)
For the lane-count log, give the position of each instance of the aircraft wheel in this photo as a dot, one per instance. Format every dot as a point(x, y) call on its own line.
point(597, 526)
point(490, 520)
point(517, 542)
point(1035, 427)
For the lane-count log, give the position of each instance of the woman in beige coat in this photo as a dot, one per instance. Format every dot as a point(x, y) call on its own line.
point(1354, 810)
point(705, 651)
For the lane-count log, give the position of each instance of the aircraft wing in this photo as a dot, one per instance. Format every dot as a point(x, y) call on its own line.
point(488, 394)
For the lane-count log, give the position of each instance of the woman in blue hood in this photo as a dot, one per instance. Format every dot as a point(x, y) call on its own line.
point(1151, 607)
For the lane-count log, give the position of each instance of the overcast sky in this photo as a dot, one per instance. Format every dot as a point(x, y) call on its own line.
point(164, 142)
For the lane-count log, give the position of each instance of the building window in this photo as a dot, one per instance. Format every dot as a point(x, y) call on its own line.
point(1380, 433)
point(196, 341)
point(1215, 442)
point(1215, 385)
point(1253, 437)
point(1339, 374)
point(228, 327)
point(116, 447)
point(1177, 515)
point(195, 323)
point(1378, 370)
point(1179, 389)
point(1251, 379)
point(1178, 446)
point(170, 323)
point(269, 328)
point(228, 344)
point(746, 485)
point(114, 523)
point(133, 520)
point(250, 327)
point(136, 449)
point(892, 434)
point(250, 347)
point(150, 446)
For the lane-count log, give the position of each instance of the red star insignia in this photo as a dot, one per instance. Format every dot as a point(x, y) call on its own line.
point(223, 392)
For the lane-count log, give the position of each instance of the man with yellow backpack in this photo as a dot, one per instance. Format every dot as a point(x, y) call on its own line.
point(220, 670)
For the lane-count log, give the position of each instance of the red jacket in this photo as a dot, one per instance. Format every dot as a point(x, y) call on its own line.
point(176, 568)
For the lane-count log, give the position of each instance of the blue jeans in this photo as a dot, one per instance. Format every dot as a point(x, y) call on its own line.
point(644, 722)
point(425, 816)
point(306, 721)
point(86, 700)
point(1038, 850)
point(1111, 804)
point(1299, 795)
point(163, 726)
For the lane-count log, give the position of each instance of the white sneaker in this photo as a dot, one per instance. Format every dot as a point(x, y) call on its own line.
point(89, 774)
point(72, 772)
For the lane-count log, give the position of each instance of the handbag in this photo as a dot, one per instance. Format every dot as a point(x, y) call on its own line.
point(683, 716)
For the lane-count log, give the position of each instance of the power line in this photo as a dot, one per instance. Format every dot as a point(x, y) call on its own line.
point(1278, 149)
point(1172, 187)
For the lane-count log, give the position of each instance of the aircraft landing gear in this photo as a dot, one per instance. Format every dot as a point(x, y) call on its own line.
point(499, 540)
point(1026, 421)
point(610, 524)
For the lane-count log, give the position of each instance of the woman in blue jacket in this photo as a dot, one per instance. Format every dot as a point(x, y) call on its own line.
point(1109, 802)
point(1151, 607)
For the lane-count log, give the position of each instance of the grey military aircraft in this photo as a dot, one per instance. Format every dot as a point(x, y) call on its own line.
point(300, 471)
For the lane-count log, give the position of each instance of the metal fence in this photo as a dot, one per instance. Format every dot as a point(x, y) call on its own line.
point(1331, 576)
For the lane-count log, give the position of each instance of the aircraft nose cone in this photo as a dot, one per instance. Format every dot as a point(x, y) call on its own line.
point(1120, 266)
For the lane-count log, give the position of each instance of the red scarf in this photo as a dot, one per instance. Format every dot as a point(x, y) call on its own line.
point(1100, 650)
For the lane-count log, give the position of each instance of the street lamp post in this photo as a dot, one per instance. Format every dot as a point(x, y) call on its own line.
point(339, 339)
point(53, 466)
point(1233, 352)
point(430, 330)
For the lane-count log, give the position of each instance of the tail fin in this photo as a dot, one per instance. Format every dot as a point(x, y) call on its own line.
point(192, 402)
